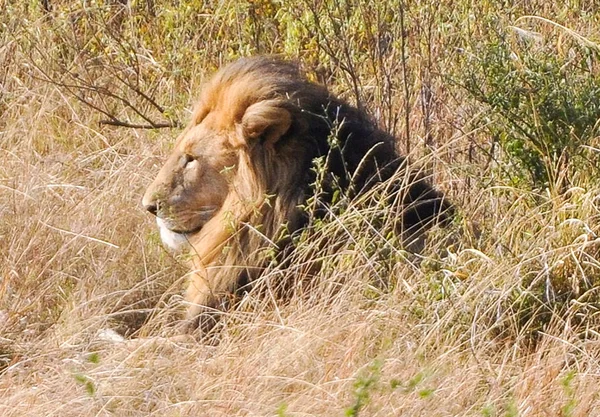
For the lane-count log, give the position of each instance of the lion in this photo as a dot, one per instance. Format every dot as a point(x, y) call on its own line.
point(243, 169)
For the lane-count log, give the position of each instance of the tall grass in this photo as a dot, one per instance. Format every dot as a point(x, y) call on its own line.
point(496, 316)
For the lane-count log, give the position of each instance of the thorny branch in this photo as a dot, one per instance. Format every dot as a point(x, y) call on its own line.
point(82, 81)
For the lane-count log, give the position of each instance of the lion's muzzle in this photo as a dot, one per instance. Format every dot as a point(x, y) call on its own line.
point(175, 241)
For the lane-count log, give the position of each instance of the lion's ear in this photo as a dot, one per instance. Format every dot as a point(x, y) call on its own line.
point(267, 120)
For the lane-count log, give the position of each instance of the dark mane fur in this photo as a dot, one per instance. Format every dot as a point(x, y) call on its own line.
point(362, 155)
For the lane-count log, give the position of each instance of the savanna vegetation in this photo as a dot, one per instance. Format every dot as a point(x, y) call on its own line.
point(498, 315)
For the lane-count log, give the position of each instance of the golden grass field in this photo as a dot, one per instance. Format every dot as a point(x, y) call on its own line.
point(497, 316)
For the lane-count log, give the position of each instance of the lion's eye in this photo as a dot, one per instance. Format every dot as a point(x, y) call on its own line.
point(187, 158)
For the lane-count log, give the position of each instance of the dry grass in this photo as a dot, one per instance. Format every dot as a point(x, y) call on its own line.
point(498, 319)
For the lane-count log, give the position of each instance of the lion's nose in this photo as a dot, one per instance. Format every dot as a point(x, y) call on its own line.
point(151, 207)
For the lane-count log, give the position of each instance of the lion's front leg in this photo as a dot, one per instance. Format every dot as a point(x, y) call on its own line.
point(206, 297)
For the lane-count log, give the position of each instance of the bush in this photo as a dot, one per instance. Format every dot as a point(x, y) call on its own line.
point(543, 100)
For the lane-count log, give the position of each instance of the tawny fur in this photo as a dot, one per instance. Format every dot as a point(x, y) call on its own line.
point(254, 135)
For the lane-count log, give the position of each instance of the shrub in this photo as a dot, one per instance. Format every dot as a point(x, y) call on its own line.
point(543, 100)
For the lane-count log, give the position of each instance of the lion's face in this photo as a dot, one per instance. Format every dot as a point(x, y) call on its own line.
point(202, 171)
point(192, 185)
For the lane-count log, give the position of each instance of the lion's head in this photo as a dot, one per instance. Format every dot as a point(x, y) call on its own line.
point(192, 185)
point(241, 170)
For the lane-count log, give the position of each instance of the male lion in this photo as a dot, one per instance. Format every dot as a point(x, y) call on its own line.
point(243, 169)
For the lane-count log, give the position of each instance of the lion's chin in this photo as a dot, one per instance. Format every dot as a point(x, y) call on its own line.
point(175, 241)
